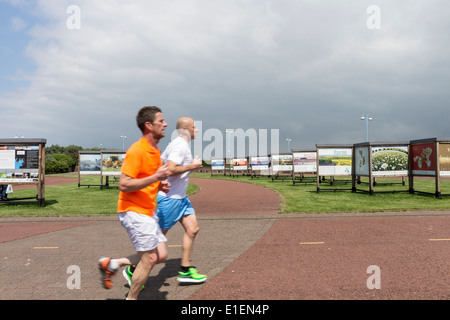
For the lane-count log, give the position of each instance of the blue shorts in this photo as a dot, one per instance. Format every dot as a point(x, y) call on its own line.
point(170, 211)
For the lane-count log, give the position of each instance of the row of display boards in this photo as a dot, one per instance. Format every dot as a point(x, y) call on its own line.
point(347, 163)
point(22, 161)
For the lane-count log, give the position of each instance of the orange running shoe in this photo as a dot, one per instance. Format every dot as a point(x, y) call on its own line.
point(106, 271)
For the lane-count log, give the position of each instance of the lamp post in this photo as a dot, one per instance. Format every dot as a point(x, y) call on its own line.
point(366, 118)
point(123, 141)
point(229, 132)
point(289, 144)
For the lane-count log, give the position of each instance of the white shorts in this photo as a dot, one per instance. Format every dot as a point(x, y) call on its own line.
point(144, 231)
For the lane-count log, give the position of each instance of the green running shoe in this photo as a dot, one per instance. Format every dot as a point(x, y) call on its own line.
point(191, 276)
point(128, 274)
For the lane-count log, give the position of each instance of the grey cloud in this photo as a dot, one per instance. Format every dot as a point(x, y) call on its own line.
point(308, 68)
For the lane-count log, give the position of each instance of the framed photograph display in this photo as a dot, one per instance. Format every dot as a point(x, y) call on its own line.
point(112, 162)
point(89, 163)
point(334, 160)
point(304, 162)
point(22, 161)
point(240, 165)
point(380, 159)
point(259, 166)
point(281, 165)
point(217, 166)
point(429, 158)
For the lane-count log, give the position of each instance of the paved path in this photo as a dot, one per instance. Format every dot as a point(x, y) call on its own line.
point(328, 258)
point(247, 250)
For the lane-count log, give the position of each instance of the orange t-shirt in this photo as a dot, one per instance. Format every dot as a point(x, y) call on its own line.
point(141, 160)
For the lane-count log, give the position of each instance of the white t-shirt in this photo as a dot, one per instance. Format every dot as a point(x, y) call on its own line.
point(179, 152)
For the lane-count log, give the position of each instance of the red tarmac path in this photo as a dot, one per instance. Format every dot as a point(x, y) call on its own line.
point(247, 250)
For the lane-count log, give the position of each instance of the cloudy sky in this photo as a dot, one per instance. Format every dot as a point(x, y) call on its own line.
point(78, 75)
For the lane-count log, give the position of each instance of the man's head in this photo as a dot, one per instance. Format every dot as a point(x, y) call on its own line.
point(151, 120)
point(186, 128)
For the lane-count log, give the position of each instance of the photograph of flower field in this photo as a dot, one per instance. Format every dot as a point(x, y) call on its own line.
point(390, 159)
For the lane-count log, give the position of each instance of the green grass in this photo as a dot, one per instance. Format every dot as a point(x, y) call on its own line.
point(304, 198)
point(70, 199)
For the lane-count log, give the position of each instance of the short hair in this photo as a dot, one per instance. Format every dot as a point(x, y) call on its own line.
point(146, 114)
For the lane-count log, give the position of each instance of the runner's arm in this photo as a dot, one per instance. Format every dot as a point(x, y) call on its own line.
point(175, 169)
point(129, 184)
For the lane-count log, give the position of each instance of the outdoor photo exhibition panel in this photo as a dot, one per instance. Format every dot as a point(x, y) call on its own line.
point(217, 166)
point(90, 163)
point(430, 158)
point(239, 166)
point(105, 163)
point(259, 166)
point(111, 166)
point(380, 159)
point(22, 161)
point(304, 162)
point(281, 166)
point(334, 161)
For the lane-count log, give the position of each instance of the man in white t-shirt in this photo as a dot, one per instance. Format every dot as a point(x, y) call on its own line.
point(174, 205)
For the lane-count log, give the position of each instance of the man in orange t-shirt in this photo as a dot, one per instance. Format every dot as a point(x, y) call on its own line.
point(142, 176)
point(141, 161)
